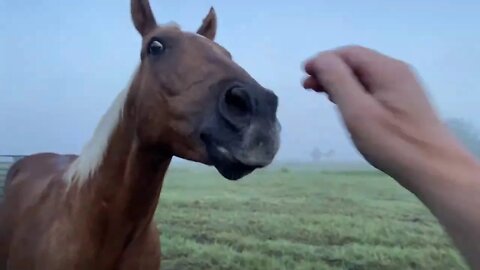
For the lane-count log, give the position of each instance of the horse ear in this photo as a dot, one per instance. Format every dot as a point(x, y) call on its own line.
point(209, 25)
point(142, 16)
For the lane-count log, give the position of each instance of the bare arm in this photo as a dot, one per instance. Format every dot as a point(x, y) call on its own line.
point(393, 125)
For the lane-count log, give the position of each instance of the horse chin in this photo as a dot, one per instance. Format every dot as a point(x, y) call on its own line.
point(234, 171)
point(226, 163)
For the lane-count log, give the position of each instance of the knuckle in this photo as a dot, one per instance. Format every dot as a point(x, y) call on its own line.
point(325, 63)
point(397, 71)
point(354, 48)
point(324, 59)
point(376, 115)
point(355, 127)
point(364, 118)
point(402, 67)
point(356, 119)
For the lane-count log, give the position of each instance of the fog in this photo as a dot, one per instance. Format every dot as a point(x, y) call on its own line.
point(63, 62)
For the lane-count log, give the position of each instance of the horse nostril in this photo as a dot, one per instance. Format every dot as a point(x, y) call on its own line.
point(237, 101)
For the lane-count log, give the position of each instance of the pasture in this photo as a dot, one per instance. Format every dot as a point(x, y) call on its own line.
point(296, 219)
point(3, 173)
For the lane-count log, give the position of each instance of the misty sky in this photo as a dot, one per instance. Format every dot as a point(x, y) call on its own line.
point(63, 62)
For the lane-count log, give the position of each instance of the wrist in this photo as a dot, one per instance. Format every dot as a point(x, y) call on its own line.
point(449, 168)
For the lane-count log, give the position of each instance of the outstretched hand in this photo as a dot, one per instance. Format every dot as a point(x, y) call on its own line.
point(393, 125)
point(383, 105)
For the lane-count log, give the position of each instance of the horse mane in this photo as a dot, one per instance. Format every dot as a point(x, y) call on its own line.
point(93, 152)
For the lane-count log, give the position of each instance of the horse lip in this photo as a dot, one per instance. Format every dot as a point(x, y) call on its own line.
point(225, 161)
point(234, 159)
point(229, 156)
point(225, 152)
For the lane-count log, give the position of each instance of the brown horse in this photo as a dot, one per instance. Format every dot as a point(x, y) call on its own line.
point(187, 99)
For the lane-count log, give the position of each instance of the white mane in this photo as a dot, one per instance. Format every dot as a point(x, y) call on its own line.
point(93, 152)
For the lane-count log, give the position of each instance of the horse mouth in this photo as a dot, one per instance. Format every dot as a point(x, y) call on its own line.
point(227, 164)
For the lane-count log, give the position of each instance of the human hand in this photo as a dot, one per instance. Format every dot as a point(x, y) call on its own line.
point(384, 108)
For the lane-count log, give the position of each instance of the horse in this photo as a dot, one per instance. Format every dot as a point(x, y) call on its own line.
point(187, 98)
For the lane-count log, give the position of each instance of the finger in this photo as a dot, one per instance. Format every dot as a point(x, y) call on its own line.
point(311, 83)
point(337, 79)
point(373, 69)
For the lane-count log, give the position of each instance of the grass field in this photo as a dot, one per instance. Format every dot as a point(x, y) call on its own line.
point(3, 173)
point(297, 220)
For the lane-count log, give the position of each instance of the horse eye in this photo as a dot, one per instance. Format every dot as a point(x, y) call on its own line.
point(156, 47)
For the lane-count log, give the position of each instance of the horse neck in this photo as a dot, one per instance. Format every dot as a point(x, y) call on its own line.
point(124, 191)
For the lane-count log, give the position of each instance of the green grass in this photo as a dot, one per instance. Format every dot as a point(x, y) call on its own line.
point(3, 173)
point(4, 166)
point(297, 220)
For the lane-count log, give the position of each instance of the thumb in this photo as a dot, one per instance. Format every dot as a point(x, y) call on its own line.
point(337, 79)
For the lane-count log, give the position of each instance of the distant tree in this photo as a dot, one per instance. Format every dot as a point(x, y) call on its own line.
point(318, 155)
point(330, 153)
point(466, 133)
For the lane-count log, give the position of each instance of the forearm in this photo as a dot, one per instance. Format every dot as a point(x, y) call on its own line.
point(449, 185)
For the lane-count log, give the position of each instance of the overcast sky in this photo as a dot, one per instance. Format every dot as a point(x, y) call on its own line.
point(63, 62)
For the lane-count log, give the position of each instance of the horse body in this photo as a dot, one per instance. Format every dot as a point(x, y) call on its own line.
point(188, 99)
point(34, 205)
point(44, 216)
